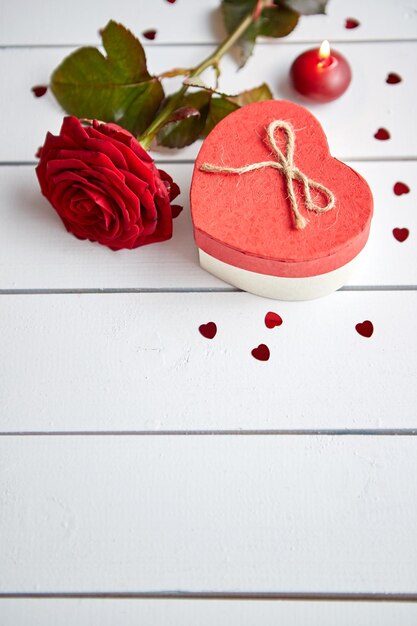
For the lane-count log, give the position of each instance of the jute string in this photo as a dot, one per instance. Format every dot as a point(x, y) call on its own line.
point(285, 164)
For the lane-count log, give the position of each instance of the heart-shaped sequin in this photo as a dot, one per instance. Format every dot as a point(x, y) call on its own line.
point(400, 234)
point(365, 329)
point(39, 90)
point(272, 319)
point(351, 22)
point(261, 353)
point(382, 134)
point(208, 330)
point(393, 78)
point(149, 34)
point(400, 188)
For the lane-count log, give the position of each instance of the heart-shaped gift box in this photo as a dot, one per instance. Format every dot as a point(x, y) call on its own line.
point(273, 212)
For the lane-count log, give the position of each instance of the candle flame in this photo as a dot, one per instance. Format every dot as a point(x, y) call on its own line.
point(324, 51)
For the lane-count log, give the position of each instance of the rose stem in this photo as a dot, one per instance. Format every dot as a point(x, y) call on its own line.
point(211, 61)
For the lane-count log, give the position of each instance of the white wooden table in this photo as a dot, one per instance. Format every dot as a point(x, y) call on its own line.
point(150, 476)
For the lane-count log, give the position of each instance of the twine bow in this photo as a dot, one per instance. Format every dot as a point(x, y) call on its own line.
point(285, 164)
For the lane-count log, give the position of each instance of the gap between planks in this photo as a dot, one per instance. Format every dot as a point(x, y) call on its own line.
point(218, 595)
point(167, 290)
point(161, 161)
point(206, 44)
point(364, 432)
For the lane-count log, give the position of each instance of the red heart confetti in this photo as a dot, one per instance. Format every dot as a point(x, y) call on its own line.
point(400, 234)
point(393, 78)
point(39, 90)
point(171, 1)
point(351, 22)
point(208, 330)
point(149, 34)
point(382, 134)
point(400, 188)
point(365, 328)
point(272, 319)
point(261, 353)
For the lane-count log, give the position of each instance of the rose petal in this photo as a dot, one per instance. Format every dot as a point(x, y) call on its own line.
point(176, 210)
point(173, 188)
point(73, 129)
point(105, 186)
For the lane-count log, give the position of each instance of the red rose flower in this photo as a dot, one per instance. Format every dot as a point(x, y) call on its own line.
point(105, 187)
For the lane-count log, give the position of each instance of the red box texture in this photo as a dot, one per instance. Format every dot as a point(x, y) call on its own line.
point(246, 220)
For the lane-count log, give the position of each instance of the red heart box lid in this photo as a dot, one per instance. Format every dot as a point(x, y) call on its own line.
point(246, 219)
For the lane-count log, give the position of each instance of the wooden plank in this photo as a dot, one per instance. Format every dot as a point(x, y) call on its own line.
point(146, 514)
point(188, 21)
point(203, 612)
point(117, 362)
point(344, 120)
point(385, 260)
point(34, 231)
point(31, 230)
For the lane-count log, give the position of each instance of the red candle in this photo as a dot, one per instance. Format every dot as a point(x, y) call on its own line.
point(320, 74)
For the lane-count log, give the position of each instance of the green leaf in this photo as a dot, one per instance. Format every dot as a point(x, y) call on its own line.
point(277, 21)
point(113, 88)
point(257, 94)
point(233, 13)
point(220, 107)
point(235, 10)
point(184, 127)
point(183, 133)
point(306, 7)
point(274, 21)
point(125, 52)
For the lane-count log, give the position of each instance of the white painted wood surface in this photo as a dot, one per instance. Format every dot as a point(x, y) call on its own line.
point(203, 613)
point(136, 513)
point(32, 230)
point(350, 122)
point(229, 513)
point(190, 21)
point(114, 362)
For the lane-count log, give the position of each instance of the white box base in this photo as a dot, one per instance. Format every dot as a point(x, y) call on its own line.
point(277, 287)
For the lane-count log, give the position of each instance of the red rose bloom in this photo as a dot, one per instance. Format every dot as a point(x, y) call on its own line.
point(105, 187)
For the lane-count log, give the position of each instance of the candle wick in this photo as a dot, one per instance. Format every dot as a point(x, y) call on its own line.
point(325, 62)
